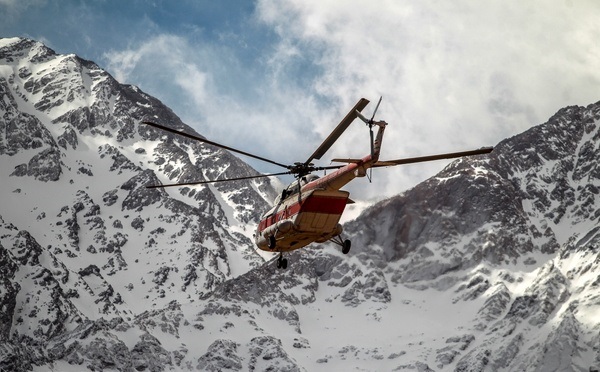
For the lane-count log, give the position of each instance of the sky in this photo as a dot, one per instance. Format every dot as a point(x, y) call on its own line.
point(274, 77)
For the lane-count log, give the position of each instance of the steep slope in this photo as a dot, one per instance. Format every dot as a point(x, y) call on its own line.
point(81, 237)
point(492, 264)
point(517, 230)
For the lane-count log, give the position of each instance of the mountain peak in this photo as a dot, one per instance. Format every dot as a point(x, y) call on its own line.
point(75, 165)
point(490, 264)
point(15, 48)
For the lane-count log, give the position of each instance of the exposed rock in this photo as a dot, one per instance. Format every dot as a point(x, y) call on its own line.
point(267, 354)
point(221, 356)
point(99, 272)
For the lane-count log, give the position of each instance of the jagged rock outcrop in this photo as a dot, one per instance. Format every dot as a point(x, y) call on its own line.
point(492, 264)
point(515, 234)
point(82, 238)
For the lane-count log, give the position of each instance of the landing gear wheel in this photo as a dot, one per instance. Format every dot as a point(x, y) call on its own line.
point(272, 242)
point(282, 262)
point(346, 246)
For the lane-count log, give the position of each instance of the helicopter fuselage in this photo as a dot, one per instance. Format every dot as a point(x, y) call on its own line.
point(309, 209)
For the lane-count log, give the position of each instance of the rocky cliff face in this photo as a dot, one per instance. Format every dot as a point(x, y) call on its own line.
point(515, 234)
point(82, 239)
point(492, 264)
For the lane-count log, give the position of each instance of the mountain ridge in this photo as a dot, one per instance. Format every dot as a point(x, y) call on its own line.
point(75, 164)
point(492, 264)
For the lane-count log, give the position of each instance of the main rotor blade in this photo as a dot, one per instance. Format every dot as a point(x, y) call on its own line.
point(215, 181)
point(194, 137)
point(376, 107)
point(388, 163)
point(337, 132)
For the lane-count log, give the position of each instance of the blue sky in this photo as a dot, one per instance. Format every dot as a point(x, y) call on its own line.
point(275, 76)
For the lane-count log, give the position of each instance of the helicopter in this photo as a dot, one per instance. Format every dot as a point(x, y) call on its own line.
point(309, 209)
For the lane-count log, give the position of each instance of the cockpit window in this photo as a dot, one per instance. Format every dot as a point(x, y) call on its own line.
point(294, 187)
point(309, 178)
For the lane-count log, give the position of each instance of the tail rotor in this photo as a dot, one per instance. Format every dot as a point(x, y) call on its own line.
point(370, 123)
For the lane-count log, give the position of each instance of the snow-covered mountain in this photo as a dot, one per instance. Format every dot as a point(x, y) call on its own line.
point(514, 238)
point(493, 264)
point(82, 239)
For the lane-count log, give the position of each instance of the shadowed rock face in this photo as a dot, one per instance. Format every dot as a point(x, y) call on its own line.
point(82, 238)
point(496, 208)
point(532, 201)
point(491, 264)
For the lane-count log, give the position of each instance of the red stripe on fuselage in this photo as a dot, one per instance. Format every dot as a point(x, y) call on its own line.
point(324, 204)
point(312, 204)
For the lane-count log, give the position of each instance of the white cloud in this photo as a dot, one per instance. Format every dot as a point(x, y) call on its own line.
point(454, 75)
point(212, 92)
point(164, 61)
